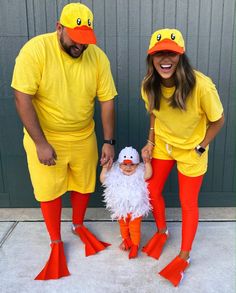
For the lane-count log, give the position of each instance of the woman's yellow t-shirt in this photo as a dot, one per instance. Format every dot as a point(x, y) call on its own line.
point(64, 88)
point(186, 129)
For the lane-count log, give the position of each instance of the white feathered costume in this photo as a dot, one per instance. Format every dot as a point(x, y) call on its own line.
point(124, 194)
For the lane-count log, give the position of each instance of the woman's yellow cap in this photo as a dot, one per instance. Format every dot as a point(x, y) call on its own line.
point(166, 40)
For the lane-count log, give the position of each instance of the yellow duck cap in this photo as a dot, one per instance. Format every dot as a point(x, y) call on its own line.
point(166, 40)
point(78, 20)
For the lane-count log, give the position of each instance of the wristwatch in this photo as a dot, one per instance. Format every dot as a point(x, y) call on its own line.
point(199, 149)
point(109, 141)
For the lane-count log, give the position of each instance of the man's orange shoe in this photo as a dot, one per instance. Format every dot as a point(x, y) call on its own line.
point(92, 244)
point(56, 266)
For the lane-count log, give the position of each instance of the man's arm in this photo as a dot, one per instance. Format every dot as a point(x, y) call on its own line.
point(29, 118)
point(108, 123)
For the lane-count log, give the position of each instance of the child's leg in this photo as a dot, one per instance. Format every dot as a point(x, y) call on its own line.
point(79, 204)
point(124, 232)
point(189, 188)
point(135, 230)
point(56, 266)
point(135, 234)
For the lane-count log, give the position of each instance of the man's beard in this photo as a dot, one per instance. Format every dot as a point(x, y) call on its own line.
point(73, 51)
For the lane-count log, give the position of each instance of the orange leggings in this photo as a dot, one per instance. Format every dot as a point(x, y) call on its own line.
point(51, 211)
point(189, 188)
point(131, 229)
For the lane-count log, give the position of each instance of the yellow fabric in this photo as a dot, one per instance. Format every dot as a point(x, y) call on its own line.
point(64, 88)
point(186, 129)
point(188, 161)
point(75, 168)
point(75, 15)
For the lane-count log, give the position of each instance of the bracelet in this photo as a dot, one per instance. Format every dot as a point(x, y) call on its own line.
point(151, 128)
point(152, 143)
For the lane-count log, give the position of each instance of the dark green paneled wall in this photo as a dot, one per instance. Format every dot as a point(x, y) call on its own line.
point(123, 29)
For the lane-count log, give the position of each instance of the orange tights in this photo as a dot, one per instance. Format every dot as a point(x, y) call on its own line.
point(131, 229)
point(51, 211)
point(189, 188)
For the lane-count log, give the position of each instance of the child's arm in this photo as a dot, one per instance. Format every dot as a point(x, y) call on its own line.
point(103, 173)
point(148, 170)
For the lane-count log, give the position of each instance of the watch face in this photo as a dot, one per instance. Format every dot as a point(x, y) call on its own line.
point(200, 149)
point(110, 141)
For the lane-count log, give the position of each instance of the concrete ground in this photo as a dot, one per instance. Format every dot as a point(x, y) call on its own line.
point(24, 249)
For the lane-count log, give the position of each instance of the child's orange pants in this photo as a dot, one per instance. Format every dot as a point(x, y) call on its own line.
point(131, 229)
point(189, 188)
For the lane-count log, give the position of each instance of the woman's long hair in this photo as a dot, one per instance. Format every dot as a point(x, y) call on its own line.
point(184, 83)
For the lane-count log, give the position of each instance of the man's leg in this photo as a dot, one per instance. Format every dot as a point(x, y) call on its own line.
point(56, 266)
point(79, 204)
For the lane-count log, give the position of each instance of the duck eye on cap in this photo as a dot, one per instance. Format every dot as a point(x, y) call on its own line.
point(158, 37)
point(172, 36)
point(89, 22)
point(79, 21)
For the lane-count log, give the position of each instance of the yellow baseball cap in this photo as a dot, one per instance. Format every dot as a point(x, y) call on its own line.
point(166, 40)
point(78, 20)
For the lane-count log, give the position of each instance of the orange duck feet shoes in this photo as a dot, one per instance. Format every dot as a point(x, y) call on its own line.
point(133, 251)
point(155, 245)
point(174, 271)
point(56, 266)
point(92, 244)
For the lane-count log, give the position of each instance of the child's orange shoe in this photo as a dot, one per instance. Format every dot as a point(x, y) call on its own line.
point(133, 251)
point(174, 271)
point(155, 245)
point(92, 244)
point(56, 266)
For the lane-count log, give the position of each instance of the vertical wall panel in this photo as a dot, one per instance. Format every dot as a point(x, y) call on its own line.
point(123, 29)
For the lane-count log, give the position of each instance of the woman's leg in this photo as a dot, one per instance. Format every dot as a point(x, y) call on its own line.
point(161, 170)
point(189, 188)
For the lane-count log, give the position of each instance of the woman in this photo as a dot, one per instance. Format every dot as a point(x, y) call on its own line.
point(185, 116)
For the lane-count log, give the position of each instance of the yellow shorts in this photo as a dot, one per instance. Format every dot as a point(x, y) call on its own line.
point(188, 162)
point(75, 168)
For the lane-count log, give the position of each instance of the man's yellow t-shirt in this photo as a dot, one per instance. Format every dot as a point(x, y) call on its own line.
point(64, 88)
point(186, 129)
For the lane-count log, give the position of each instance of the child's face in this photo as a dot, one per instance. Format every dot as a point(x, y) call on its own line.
point(128, 169)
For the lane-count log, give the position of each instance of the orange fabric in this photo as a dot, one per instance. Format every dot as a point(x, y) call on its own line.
point(79, 203)
point(161, 170)
point(56, 266)
point(51, 211)
point(155, 245)
point(189, 188)
point(92, 244)
point(173, 272)
point(131, 229)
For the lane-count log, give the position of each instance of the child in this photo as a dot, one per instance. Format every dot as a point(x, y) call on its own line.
point(126, 196)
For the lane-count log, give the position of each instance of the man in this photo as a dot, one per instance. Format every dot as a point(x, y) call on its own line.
point(56, 79)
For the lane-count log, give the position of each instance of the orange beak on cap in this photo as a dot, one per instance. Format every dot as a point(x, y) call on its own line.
point(166, 45)
point(82, 35)
point(127, 162)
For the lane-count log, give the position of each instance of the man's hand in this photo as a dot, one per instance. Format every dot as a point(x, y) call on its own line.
point(46, 154)
point(107, 155)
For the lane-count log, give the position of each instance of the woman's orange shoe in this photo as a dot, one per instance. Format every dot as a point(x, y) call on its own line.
point(174, 271)
point(56, 266)
point(92, 244)
point(155, 245)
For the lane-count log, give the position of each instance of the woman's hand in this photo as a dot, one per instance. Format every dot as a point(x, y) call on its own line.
point(146, 152)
